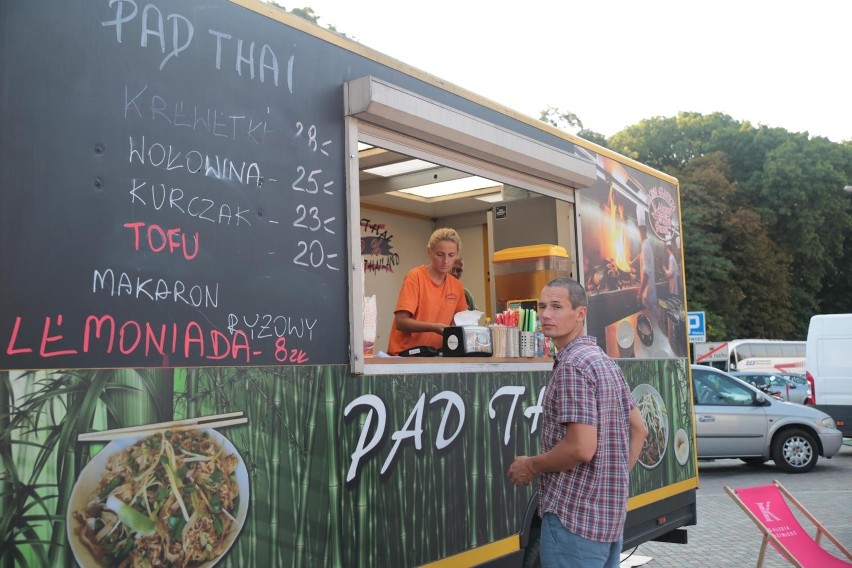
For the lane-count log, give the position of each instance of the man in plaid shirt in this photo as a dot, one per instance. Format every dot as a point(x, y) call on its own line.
point(591, 437)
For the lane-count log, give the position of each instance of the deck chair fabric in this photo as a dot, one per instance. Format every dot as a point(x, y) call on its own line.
point(767, 506)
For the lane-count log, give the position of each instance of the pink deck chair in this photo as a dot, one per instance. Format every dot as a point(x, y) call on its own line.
point(767, 507)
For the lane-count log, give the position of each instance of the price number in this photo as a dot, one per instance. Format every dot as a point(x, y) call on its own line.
point(309, 218)
point(313, 255)
point(311, 136)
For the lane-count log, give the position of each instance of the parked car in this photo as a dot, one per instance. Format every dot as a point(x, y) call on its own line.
point(801, 381)
point(734, 419)
point(774, 383)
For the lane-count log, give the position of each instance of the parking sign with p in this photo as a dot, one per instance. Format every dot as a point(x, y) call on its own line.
point(697, 329)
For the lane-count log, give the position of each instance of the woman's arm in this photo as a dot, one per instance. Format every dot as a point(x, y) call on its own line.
point(406, 322)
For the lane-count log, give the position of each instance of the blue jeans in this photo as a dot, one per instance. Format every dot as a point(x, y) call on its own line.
point(563, 549)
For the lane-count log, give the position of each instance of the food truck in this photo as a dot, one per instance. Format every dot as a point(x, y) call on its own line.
point(207, 209)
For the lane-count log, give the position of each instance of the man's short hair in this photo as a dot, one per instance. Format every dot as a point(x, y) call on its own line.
point(576, 292)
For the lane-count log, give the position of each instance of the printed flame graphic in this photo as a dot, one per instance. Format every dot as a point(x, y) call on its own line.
point(619, 247)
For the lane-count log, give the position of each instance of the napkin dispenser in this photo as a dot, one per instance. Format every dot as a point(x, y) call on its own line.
point(467, 341)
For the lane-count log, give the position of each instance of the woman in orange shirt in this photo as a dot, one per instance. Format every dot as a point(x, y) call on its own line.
point(429, 298)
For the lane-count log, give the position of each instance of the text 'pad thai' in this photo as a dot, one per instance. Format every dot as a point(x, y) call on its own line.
point(167, 500)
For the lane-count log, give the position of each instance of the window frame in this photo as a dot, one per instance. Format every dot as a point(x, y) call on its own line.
point(360, 126)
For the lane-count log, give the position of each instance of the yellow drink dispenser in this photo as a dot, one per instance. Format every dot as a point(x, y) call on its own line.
point(521, 272)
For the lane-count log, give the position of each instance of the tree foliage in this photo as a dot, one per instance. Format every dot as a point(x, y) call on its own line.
point(570, 122)
point(784, 228)
point(561, 119)
point(307, 13)
point(705, 200)
point(767, 226)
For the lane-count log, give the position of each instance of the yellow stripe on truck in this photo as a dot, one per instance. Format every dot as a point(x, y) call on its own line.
point(506, 546)
point(479, 555)
point(662, 493)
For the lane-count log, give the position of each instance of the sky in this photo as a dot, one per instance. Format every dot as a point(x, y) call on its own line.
point(613, 63)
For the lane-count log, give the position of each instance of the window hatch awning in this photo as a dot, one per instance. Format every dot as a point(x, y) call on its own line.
point(389, 106)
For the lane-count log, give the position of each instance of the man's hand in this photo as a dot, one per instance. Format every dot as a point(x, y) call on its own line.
point(521, 471)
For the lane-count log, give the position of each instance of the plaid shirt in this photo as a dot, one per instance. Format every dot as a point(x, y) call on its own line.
point(587, 387)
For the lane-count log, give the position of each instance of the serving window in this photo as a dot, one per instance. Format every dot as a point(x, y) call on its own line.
point(416, 166)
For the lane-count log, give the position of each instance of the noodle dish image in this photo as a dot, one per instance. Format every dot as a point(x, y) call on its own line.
point(656, 418)
point(681, 446)
point(167, 498)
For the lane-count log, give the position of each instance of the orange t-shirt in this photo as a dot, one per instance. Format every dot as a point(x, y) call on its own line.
point(426, 301)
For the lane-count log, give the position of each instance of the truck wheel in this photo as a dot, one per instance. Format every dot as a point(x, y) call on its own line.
point(531, 552)
point(795, 451)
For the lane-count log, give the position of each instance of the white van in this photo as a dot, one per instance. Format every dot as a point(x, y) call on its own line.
point(829, 366)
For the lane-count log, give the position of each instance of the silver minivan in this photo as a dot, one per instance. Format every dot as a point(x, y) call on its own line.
point(736, 420)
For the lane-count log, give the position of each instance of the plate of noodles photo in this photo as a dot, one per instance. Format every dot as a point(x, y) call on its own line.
point(656, 418)
point(681, 446)
point(169, 498)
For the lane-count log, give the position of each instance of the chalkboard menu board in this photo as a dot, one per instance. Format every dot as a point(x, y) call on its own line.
point(172, 188)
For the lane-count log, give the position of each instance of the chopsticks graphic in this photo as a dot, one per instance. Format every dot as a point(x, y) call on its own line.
point(213, 421)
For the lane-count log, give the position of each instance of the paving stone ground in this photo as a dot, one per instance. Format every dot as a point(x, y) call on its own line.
point(724, 536)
